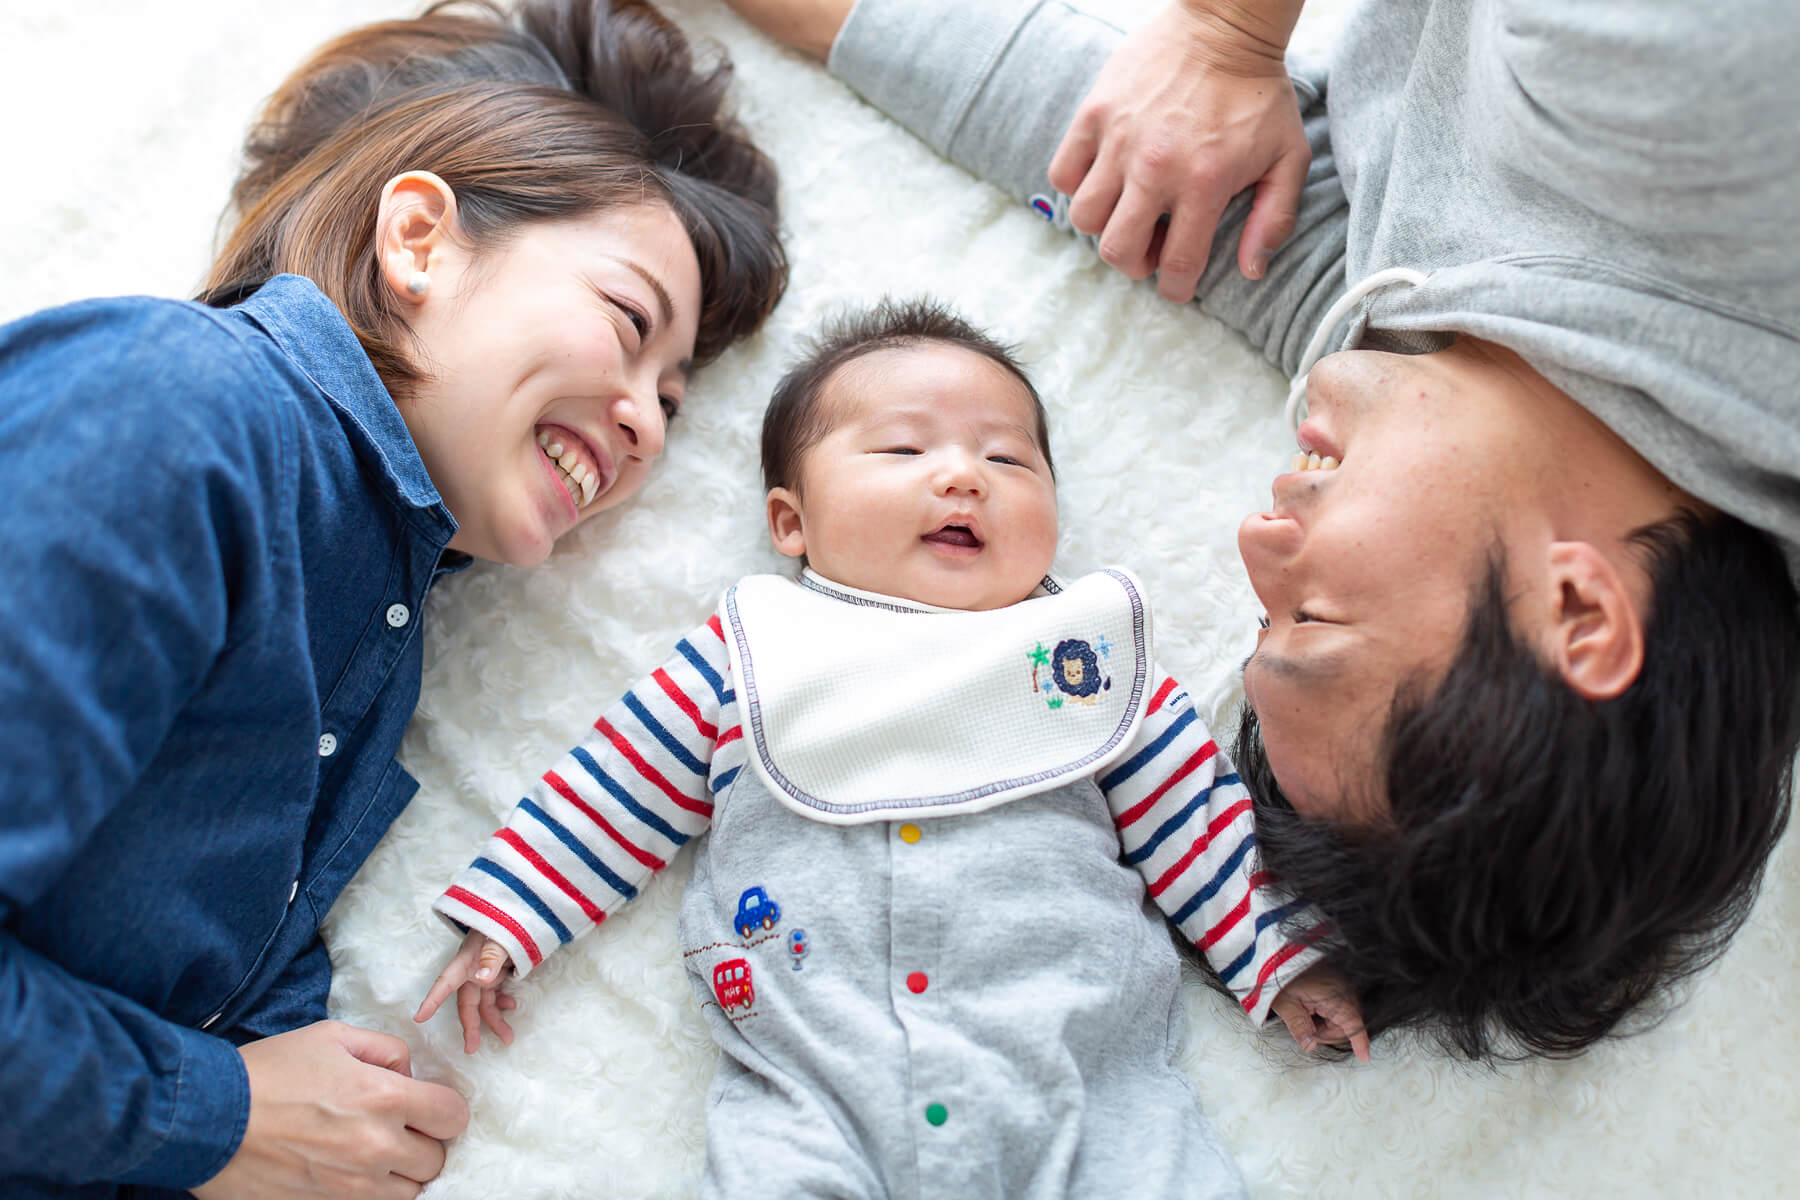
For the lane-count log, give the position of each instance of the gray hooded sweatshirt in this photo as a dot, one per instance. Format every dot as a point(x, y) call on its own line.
point(1610, 188)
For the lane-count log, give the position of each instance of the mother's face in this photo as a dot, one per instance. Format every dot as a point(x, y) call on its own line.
point(1367, 569)
point(554, 362)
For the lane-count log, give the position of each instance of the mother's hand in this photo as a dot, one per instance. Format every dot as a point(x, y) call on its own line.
point(335, 1112)
point(1191, 109)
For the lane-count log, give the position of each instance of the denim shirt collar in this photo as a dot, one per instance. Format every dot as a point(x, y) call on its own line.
point(313, 334)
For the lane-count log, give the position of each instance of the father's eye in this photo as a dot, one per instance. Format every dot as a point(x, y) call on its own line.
point(1301, 618)
point(1262, 620)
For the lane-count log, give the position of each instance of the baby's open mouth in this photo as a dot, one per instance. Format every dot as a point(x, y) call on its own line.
point(955, 535)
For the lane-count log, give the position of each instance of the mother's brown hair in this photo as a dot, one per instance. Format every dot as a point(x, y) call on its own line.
point(587, 105)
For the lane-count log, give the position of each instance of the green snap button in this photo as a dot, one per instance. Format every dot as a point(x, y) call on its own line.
point(937, 1114)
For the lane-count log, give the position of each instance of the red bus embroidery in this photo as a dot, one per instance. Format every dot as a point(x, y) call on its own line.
point(731, 984)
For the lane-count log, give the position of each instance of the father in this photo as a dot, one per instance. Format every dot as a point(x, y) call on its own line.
point(1523, 718)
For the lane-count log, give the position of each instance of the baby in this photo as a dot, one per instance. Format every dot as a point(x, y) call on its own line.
point(941, 786)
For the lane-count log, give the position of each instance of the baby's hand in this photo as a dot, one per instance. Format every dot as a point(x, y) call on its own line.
point(474, 975)
point(1320, 1007)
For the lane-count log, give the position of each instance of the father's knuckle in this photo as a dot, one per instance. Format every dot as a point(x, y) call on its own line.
point(1157, 156)
point(1181, 266)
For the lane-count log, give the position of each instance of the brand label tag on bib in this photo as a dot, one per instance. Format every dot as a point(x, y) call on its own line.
point(860, 707)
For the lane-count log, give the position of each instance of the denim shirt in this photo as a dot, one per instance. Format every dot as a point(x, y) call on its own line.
point(218, 536)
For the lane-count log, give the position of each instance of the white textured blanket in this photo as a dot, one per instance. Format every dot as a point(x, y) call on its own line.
point(120, 130)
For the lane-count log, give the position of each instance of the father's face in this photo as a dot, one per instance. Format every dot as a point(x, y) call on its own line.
point(1367, 569)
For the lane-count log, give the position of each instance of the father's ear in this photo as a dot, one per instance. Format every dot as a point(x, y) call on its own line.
point(785, 527)
point(412, 232)
point(1596, 633)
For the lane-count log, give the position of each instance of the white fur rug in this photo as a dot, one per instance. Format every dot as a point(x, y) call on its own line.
point(120, 129)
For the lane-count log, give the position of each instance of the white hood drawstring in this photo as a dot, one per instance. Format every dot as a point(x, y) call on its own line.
point(1296, 400)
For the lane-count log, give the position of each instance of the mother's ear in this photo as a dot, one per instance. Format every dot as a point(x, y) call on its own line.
point(1595, 637)
point(412, 233)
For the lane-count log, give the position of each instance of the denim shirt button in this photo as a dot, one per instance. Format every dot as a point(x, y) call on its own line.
point(398, 615)
point(327, 745)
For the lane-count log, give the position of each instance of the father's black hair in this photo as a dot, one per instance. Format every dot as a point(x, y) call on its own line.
point(1552, 864)
point(796, 419)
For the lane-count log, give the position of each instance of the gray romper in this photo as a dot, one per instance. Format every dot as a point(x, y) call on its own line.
point(957, 993)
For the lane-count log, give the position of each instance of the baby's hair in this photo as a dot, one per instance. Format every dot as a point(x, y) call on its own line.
point(796, 418)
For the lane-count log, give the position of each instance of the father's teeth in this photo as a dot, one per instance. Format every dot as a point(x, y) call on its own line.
point(1311, 461)
point(1299, 463)
point(543, 437)
point(553, 449)
point(1328, 463)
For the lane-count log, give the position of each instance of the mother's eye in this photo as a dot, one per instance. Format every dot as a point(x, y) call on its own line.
point(639, 321)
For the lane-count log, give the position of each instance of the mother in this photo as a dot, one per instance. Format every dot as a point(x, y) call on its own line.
point(1523, 717)
point(461, 249)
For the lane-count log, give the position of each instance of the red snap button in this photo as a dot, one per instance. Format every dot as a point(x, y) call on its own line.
point(917, 981)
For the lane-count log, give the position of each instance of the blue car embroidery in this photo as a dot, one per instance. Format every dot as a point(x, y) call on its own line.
point(755, 908)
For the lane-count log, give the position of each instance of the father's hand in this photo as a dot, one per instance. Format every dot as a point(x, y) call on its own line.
point(1191, 109)
point(335, 1112)
point(809, 26)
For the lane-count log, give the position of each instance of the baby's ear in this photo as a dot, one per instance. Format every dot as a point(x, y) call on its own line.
point(787, 528)
point(1596, 634)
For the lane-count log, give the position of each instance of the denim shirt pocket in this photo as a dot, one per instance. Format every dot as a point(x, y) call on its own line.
point(359, 833)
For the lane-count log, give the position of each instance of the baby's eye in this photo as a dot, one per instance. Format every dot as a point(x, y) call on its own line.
point(898, 450)
point(671, 408)
point(1005, 459)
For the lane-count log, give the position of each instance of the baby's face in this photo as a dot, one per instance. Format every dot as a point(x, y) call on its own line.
point(930, 485)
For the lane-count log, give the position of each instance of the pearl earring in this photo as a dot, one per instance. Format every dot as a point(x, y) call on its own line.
point(419, 283)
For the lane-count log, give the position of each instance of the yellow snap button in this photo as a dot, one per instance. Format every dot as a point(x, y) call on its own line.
point(909, 833)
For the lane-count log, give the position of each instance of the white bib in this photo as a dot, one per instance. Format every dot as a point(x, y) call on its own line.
point(860, 707)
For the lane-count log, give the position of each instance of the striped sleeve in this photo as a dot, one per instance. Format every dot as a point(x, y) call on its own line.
point(612, 812)
point(1185, 822)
